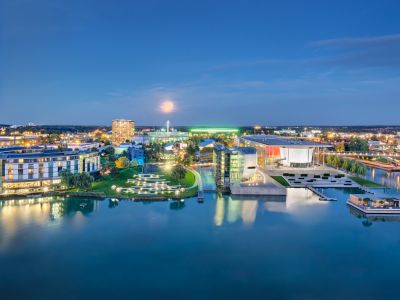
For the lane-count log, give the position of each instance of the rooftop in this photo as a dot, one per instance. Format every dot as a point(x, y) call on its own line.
point(214, 130)
point(19, 152)
point(243, 150)
point(272, 140)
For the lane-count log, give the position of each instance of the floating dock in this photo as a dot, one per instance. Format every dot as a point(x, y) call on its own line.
point(322, 197)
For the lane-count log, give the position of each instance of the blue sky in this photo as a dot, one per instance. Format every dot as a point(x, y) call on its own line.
point(221, 62)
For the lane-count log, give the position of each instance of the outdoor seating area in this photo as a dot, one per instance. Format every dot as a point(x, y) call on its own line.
point(318, 180)
point(149, 184)
point(372, 203)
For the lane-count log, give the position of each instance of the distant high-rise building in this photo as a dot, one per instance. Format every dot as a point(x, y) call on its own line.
point(122, 131)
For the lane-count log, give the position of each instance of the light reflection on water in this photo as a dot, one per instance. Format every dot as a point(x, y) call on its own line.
point(390, 179)
point(243, 243)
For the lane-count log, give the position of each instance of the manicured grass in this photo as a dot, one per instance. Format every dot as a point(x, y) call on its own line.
point(365, 182)
point(281, 180)
point(104, 184)
point(188, 181)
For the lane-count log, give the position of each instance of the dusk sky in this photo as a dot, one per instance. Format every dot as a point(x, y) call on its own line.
point(219, 62)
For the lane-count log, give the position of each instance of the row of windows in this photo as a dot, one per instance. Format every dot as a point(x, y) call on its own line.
point(42, 159)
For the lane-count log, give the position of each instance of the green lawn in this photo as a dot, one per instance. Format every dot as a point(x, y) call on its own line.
point(104, 184)
point(281, 180)
point(365, 182)
point(188, 181)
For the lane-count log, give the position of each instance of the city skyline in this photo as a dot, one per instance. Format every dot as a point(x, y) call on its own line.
point(218, 63)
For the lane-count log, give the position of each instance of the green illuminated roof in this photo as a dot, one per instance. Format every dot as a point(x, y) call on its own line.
point(214, 130)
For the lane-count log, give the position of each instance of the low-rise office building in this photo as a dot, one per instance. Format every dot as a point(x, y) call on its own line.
point(36, 170)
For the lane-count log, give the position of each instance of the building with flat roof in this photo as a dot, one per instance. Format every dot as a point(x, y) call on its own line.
point(163, 137)
point(122, 131)
point(36, 170)
point(205, 132)
point(288, 152)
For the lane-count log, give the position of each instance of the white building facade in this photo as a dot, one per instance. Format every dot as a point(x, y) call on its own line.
point(36, 170)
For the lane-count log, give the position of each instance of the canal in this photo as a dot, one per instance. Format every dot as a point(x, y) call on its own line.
point(292, 247)
point(386, 178)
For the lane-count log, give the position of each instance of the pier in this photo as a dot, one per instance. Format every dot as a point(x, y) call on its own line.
point(321, 196)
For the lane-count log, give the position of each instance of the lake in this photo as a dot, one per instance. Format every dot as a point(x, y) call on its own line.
point(225, 248)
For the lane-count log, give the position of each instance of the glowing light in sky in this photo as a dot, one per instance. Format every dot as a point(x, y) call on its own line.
point(167, 106)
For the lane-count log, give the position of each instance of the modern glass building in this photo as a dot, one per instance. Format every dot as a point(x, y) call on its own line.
point(233, 165)
point(273, 150)
point(36, 170)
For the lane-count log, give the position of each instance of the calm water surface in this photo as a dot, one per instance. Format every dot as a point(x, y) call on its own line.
point(293, 248)
point(391, 179)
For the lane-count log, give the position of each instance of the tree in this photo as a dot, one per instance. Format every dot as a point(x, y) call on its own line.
point(83, 180)
point(345, 164)
point(354, 167)
point(67, 178)
point(122, 163)
point(362, 170)
point(153, 152)
point(358, 145)
point(110, 151)
point(125, 153)
point(179, 172)
point(187, 159)
point(340, 147)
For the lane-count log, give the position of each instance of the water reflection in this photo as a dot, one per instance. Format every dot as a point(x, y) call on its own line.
point(368, 220)
point(20, 213)
point(176, 205)
point(231, 209)
point(389, 179)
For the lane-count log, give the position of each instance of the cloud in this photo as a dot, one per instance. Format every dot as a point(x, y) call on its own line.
point(357, 41)
point(249, 64)
point(361, 52)
point(347, 52)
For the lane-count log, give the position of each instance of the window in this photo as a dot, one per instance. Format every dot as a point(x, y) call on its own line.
point(41, 170)
point(20, 171)
point(10, 172)
point(30, 171)
point(50, 169)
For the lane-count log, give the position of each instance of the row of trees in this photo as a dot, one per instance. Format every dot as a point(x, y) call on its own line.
point(354, 145)
point(79, 180)
point(346, 164)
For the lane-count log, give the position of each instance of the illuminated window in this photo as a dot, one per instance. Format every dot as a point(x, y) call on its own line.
point(30, 171)
point(10, 172)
